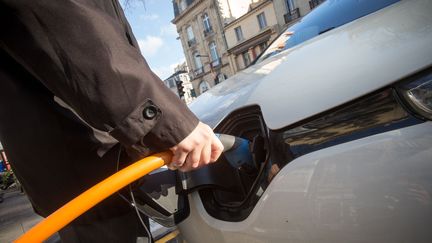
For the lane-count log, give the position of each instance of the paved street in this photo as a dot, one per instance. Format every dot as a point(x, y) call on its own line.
point(16, 216)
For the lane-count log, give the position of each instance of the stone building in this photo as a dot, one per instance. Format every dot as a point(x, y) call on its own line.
point(200, 26)
point(222, 37)
point(249, 35)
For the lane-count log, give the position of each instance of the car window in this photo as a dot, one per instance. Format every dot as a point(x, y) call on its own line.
point(329, 15)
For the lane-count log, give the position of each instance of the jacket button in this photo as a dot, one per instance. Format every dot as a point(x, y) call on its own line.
point(150, 112)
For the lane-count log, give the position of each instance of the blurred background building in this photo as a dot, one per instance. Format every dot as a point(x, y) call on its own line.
point(221, 37)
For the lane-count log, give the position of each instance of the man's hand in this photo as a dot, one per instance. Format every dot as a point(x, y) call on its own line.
point(199, 148)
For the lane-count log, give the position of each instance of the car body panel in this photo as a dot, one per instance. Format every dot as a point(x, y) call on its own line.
point(355, 59)
point(375, 189)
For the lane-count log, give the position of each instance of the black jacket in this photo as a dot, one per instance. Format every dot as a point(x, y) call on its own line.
point(72, 84)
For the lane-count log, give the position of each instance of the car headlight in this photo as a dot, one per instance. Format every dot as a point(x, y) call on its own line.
point(418, 95)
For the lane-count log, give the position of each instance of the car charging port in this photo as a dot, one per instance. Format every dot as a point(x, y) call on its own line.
point(247, 180)
point(258, 148)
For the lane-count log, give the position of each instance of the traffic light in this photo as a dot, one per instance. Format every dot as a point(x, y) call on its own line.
point(179, 84)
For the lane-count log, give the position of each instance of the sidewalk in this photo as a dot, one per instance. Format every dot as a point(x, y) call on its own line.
point(17, 216)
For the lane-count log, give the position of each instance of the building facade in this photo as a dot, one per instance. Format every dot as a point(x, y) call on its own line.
point(249, 35)
point(200, 26)
point(289, 11)
point(222, 37)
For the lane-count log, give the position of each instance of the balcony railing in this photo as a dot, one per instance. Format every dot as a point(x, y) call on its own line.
point(192, 42)
point(208, 31)
point(198, 71)
point(216, 63)
point(314, 3)
point(292, 15)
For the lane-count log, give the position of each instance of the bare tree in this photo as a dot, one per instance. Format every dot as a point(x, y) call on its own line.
point(128, 3)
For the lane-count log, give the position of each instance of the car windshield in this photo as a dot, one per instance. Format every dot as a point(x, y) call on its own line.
point(329, 15)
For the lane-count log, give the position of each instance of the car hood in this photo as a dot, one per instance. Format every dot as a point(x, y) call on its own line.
point(329, 70)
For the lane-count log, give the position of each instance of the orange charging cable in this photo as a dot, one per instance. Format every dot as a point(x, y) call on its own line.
point(93, 196)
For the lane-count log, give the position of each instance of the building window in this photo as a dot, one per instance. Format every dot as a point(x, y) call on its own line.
point(239, 33)
point(206, 22)
point(246, 59)
point(263, 46)
point(314, 3)
point(213, 51)
point(171, 83)
point(214, 54)
point(183, 5)
point(199, 69)
point(190, 33)
point(220, 78)
point(203, 87)
point(176, 9)
point(262, 22)
point(197, 60)
point(290, 5)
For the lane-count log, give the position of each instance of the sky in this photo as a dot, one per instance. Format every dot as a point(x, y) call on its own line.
point(156, 35)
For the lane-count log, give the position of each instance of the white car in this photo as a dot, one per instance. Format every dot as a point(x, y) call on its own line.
point(339, 119)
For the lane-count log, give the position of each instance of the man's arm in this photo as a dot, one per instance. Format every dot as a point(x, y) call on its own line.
point(83, 54)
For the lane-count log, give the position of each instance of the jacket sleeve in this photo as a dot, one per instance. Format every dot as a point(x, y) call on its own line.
point(84, 54)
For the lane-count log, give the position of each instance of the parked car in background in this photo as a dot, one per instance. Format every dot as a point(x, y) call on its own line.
point(338, 111)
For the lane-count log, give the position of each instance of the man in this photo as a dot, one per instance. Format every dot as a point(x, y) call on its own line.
point(75, 91)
